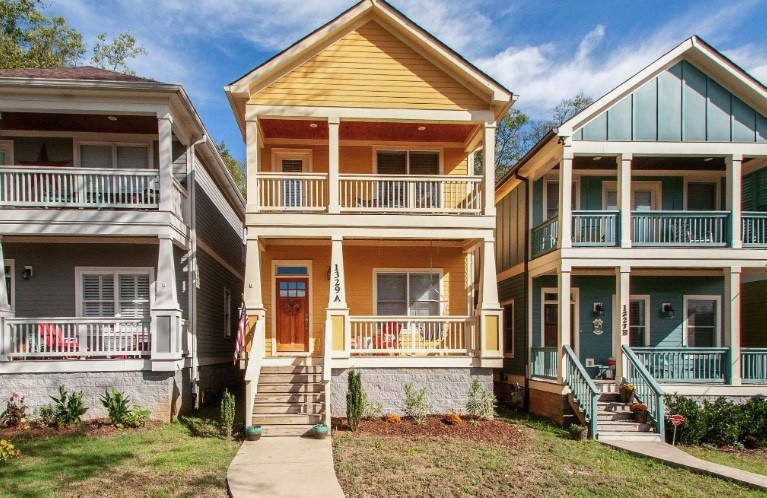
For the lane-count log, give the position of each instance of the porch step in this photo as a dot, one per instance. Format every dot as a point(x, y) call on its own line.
point(645, 437)
point(280, 378)
point(623, 426)
point(606, 386)
point(292, 369)
point(289, 408)
point(289, 388)
point(615, 416)
point(613, 407)
point(278, 430)
point(609, 397)
point(268, 398)
point(280, 419)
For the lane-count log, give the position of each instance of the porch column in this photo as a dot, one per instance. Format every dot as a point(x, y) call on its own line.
point(253, 296)
point(490, 309)
point(470, 162)
point(564, 236)
point(732, 321)
point(166, 312)
point(624, 199)
point(253, 162)
point(5, 310)
point(621, 317)
point(334, 201)
point(488, 165)
point(734, 192)
point(338, 337)
point(564, 319)
point(165, 145)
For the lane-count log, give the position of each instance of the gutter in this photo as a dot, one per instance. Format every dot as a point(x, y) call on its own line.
point(192, 262)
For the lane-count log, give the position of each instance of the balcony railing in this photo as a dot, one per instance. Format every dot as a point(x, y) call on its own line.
point(37, 187)
point(543, 238)
point(679, 228)
point(180, 201)
point(753, 365)
point(412, 335)
point(595, 228)
point(292, 191)
point(685, 364)
point(543, 363)
point(410, 193)
point(754, 229)
point(70, 338)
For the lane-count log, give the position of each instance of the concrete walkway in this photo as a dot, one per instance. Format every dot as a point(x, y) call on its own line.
point(294, 467)
point(678, 458)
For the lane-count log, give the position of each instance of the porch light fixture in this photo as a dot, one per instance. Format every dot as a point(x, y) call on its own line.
point(666, 310)
point(421, 128)
point(708, 159)
point(312, 125)
point(596, 158)
point(329, 272)
point(26, 274)
point(598, 310)
point(111, 118)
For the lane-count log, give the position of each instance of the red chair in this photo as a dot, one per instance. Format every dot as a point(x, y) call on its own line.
point(54, 340)
point(388, 336)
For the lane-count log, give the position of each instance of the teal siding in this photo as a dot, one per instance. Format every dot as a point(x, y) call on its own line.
point(595, 290)
point(680, 104)
point(537, 202)
point(514, 288)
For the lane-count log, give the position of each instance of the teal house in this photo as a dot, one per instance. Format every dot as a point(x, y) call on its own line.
point(631, 247)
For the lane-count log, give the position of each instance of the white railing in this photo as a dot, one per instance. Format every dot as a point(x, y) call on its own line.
point(180, 201)
point(412, 335)
point(410, 193)
point(292, 191)
point(32, 186)
point(253, 369)
point(61, 338)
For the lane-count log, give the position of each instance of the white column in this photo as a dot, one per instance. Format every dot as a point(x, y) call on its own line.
point(734, 193)
point(490, 316)
point(488, 165)
point(165, 146)
point(337, 314)
point(624, 198)
point(5, 309)
point(166, 312)
point(732, 320)
point(5, 306)
point(334, 201)
point(254, 301)
point(621, 317)
point(253, 161)
point(337, 299)
point(564, 319)
point(564, 237)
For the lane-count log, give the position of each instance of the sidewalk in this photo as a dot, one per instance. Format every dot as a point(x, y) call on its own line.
point(293, 467)
point(678, 458)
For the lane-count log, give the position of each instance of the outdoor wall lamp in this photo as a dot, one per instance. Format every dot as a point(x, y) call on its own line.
point(598, 310)
point(26, 274)
point(666, 310)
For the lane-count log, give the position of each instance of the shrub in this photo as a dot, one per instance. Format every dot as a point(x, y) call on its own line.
point(117, 405)
point(15, 412)
point(453, 419)
point(481, 404)
point(227, 413)
point(8, 451)
point(46, 415)
point(136, 417)
point(694, 429)
point(754, 422)
point(393, 418)
point(68, 408)
point(370, 410)
point(354, 400)
point(416, 405)
point(723, 421)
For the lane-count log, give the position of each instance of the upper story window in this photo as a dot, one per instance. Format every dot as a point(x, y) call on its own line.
point(645, 196)
point(551, 196)
point(407, 162)
point(291, 160)
point(10, 282)
point(114, 155)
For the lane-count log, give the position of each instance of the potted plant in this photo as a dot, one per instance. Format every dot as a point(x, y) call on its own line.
point(320, 431)
point(627, 393)
point(578, 432)
point(253, 432)
point(640, 412)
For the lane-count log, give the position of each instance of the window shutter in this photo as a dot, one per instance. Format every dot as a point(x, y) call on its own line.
point(391, 162)
point(98, 296)
point(760, 190)
point(292, 165)
point(134, 296)
point(424, 163)
point(747, 193)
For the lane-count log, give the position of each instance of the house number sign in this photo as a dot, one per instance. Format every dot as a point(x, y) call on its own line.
point(625, 320)
point(336, 284)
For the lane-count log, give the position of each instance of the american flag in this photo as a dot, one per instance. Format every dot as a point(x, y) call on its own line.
point(239, 346)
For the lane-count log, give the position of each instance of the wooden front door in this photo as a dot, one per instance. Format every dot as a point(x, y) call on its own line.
point(292, 314)
point(551, 325)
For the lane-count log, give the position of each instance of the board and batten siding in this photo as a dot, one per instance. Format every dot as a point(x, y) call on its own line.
point(369, 67)
point(514, 289)
point(510, 229)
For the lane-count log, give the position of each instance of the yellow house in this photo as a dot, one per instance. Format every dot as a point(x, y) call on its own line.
point(367, 225)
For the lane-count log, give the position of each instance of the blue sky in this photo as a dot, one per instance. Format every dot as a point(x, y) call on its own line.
point(542, 50)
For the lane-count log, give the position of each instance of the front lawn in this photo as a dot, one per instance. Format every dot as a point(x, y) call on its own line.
point(750, 460)
point(541, 461)
point(178, 459)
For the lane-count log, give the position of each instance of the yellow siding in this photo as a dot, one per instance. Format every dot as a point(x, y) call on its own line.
point(319, 156)
point(369, 67)
point(339, 337)
point(491, 333)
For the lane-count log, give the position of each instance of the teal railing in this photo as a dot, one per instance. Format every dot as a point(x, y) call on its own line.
point(705, 365)
point(595, 228)
point(543, 238)
point(646, 390)
point(680, 228)
point(544, 363)
point(753, 365)
point(583, 388)
point(753, 229)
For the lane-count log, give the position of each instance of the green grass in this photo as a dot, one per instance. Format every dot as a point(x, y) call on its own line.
point(173, 460)
point(545, 463)
point(751, 461)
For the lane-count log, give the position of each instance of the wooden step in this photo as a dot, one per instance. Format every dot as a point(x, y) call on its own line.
point(290, 388)
point(290, 398)
point(289, 408)
point(614, 416)
point(609, 397)
point(275, 378)
point(286, 430)
point(613, 406)
point(272, 419)
point(623, 426)
point(292, 369)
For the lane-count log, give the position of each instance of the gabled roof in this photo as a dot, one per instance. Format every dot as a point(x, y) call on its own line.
point(85, 73)
point(695, 50)
point(462, 70)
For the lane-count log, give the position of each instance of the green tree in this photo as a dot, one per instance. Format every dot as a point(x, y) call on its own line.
point(115, 55)
point(235, 167)
point(564, 110)
point(30, 39)
point(510, 144)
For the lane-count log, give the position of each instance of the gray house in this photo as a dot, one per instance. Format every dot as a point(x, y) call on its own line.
point(121, 235)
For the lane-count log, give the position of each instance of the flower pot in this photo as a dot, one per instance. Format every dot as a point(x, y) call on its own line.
point(253, 432)
point(626, 396)
point(640, 416)
point(320, 431)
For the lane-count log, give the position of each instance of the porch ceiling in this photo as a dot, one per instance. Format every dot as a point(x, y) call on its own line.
point(651, 163)
point(78, 122)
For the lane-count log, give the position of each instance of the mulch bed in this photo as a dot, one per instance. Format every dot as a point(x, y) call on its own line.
point(96, 427)
point(491, 431)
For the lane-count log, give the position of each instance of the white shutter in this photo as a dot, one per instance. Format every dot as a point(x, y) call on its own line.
point(98, 295)
point(134, 296)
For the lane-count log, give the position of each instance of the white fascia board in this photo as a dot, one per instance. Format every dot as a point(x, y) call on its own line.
point(707, 149)
point(254, 112)
point(662, 257)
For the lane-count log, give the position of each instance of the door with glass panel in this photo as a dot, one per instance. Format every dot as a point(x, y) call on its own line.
point(639, 330)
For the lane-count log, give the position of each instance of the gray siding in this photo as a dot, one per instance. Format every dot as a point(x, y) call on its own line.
point(514, 288)
point(510, 229)
point(214, 278)
point(181, 260)
point(217, 223)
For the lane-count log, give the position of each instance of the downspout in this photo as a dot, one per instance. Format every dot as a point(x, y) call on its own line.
point(192, 185)
point(526, 182)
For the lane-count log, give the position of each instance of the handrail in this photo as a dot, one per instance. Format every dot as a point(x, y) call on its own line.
point(583, 388)
point(326, 369)
point(754, 229)
point(646, 389)
point(753, 365)
point(544, 236)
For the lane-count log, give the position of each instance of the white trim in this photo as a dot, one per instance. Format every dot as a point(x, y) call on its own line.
point(7, 147)
point(717, 322)
point(283, 153)
point(227, 313)
point(575, 316)
point(655, 187)
point(408, 148)
point(648, 303)
point(253, 112)
point(310, 292)
point(716, 181)
point(12, 275)
point(111, 270)
point(72, 366)
point(443, 307)
point(504, 304)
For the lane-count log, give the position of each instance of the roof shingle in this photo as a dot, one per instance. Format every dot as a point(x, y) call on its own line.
point(83, 73)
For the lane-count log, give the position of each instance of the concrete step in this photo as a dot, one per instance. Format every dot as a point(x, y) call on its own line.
point(645, 437)
point(277, 378)
point(622, 426)
point(292, 369)
point(289, 388)
point(290, 398)
point(289, 408)
point(286, 430)
point(266, 419)
point(614, 416)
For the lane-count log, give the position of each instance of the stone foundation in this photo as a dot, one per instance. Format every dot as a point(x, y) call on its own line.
point(447, 389)
point(550, 405)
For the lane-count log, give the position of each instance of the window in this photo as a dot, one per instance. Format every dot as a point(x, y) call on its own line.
point(292, 161)
point(550, 318)
point(508, 329)
point(413, 294)
point(10, 282)
point(639, 324)
point(701, 196)
point(6, 152)
point(403, 194)
point(702, 321)
point(123, 293)
point(407, 162)
point(645, 196)
point(114, 155)
point(552, 198)
point(227, 313)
